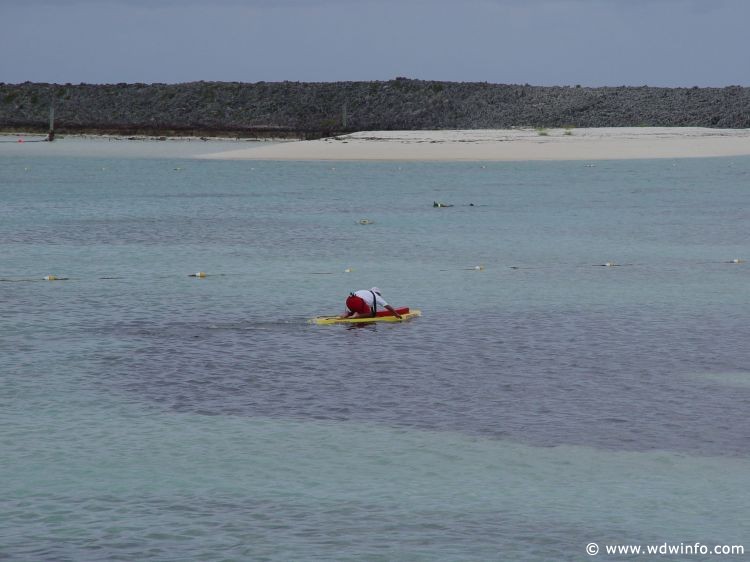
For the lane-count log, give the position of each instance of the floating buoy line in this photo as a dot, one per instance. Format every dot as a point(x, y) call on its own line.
point(204, 275)
point(475, 268)
point(611, 264)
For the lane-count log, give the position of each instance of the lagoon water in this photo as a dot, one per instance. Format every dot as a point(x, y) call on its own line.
point(542, 402)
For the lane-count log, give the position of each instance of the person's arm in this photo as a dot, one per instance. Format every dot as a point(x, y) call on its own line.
point(389, 307)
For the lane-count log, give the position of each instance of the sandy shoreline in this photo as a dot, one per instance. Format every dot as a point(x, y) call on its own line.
point(113, 146)
point(509, 145)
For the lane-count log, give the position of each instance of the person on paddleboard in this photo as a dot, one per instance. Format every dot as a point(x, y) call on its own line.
point(365, 304)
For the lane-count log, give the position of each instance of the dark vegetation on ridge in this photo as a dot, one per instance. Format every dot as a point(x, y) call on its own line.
point(312, 110)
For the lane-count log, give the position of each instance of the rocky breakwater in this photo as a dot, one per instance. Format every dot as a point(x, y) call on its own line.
point(312, 110)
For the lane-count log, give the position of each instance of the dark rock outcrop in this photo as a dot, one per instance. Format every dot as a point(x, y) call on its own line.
point(311, 110)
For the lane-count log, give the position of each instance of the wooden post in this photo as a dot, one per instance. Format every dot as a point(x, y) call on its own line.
point(51, 134)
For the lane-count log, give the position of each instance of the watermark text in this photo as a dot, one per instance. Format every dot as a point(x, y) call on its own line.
point(682, 549)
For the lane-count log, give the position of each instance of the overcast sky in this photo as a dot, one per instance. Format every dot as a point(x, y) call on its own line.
point(539, 42)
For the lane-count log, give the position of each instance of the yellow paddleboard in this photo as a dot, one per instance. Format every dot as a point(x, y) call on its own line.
point(336, 320)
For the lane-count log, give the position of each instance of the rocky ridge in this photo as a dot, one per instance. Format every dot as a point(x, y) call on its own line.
point(313, 110)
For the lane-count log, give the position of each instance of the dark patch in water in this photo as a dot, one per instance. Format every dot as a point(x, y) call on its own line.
point(611, 380)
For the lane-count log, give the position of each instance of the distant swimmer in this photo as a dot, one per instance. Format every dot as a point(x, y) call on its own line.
point(365, 303)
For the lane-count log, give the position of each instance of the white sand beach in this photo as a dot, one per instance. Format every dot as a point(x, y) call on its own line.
point(509, 145)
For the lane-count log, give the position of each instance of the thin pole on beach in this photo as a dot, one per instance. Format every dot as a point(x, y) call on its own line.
point(51, 134)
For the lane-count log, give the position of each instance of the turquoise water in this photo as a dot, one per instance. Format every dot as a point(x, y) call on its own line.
point(541, 403)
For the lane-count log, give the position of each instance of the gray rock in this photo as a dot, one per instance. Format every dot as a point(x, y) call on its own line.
point(313, 110)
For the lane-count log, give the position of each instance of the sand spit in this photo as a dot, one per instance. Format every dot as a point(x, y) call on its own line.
point(509, 145)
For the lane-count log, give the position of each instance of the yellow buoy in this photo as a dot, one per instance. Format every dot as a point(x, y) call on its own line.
point(50, 278)
point(348, 270)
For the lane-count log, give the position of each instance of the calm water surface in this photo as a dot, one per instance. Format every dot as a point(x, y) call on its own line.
point(542, 402)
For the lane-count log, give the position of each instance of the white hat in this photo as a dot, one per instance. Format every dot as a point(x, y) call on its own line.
point(375, 290)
